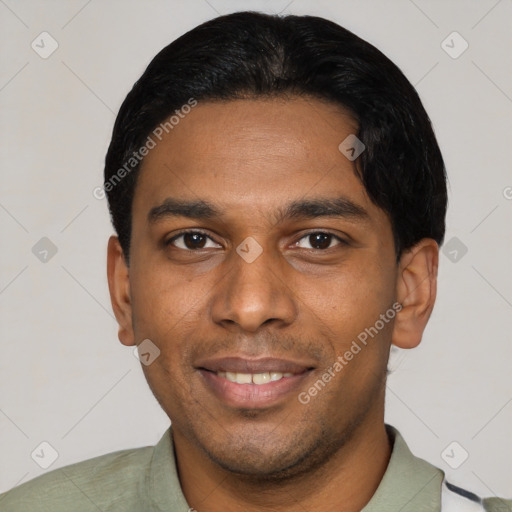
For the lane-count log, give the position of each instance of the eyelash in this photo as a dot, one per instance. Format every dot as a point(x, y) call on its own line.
point(170, 241)
point(189, 232)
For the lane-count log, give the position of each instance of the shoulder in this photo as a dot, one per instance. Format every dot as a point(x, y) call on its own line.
point(405, 479)
point(497, 505)
point(456, 499)
point(84, 486)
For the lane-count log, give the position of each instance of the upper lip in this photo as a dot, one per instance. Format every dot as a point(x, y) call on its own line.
point(261, 365)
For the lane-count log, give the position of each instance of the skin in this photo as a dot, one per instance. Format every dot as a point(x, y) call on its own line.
point(297, 300)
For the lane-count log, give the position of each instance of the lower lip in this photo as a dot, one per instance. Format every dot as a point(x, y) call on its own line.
point(252, 396)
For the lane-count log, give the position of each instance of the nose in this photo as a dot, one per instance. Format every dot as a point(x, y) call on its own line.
point(253, 294)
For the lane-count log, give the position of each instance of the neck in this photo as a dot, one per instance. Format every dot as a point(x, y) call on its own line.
point(345, 482)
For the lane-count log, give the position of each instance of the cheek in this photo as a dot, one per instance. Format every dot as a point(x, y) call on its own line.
point(350, 296)
point(167, 312)
point(168, 309)
point(347, 306)
point(163, 302)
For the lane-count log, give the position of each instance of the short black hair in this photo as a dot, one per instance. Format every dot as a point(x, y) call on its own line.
point(251, 55)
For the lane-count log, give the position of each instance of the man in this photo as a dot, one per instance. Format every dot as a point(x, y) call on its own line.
point(279, 200)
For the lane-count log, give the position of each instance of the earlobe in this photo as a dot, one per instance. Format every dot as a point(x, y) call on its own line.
point(119, 288)
point(416, 291)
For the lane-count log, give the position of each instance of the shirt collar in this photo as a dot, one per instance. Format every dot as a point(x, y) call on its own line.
point(163, 486)
point(410, 484)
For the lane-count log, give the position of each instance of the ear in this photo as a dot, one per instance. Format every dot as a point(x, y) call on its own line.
point(119, 287)
point(416, 292)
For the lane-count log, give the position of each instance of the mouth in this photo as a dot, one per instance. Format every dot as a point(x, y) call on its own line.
point(253, 383)
point(253, 378)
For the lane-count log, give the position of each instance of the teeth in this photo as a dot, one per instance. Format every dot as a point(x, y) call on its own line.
point(253, 378)
point(261, 378)
point(243, 378)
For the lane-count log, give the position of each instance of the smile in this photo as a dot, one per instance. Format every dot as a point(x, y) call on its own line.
point(253, 383)
point(253, 378)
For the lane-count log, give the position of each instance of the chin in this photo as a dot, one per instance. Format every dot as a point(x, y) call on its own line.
point(256, 459)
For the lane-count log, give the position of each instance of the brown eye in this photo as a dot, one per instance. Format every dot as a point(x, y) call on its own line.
point(192, 240)
point(318, 241)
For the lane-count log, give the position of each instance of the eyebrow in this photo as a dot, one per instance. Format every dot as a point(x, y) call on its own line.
point(299, 209)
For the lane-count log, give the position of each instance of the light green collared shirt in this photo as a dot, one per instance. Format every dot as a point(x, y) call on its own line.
point(146, 480)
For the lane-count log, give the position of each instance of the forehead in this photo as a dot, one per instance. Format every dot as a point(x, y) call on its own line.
point(257, 153)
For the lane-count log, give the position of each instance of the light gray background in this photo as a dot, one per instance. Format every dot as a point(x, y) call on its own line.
point(66, 380)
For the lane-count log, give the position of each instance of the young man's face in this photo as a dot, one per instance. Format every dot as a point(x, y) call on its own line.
point(291, 299)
